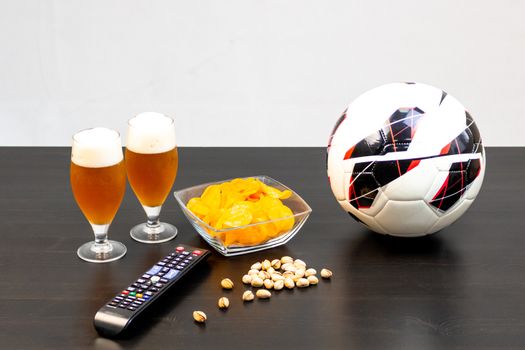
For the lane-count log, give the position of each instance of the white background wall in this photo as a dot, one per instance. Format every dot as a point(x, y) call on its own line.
point(250, 72)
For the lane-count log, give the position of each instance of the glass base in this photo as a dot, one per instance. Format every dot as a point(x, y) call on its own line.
point(101, 253)
point(159, 234)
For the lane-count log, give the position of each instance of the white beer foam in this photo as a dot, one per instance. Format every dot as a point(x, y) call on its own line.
point(96, 148)
point(151, 132)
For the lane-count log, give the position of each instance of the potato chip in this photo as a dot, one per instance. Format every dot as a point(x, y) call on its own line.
point(285, 194)
point(249, 236)
point(275, 193)
point(212, 196)
point(198, 207)
point(279, 214)
point(241, 202)
point(237, 217)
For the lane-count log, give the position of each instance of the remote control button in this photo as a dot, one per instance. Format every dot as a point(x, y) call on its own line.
point(182, 264)
point(189, 258)
point(122, 306)
point(136, 285)
point(146, 276)
point(141, 280)
point(154, 290)
point(178, 267)
point(159, 285)
point(138, 295)
point(131, 289)
point(144, 286)
point(163, 280)
point(143, 299)
point(197, 252)
point(186, 261)
point(155, 279)
point(146, 297)
point(165, 269)
point(170, 275)
point(160, 274)
point(131, 308)
point(161, 263)
point(147, 294)
point(179, 249)
point(125, 292)
point(154, 270)
point(170, 265)
point(185, 253)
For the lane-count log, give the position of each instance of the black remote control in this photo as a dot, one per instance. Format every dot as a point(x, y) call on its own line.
point(116, 315)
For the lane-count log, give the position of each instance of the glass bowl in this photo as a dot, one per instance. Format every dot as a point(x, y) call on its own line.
point(216, 238)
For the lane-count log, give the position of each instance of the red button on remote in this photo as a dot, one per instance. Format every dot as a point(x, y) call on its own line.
point(179, 249)
point(197, 252)
point(126, 292)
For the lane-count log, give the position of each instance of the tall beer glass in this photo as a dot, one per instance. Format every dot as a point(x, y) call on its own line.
point(98, 181)
point(151, 163)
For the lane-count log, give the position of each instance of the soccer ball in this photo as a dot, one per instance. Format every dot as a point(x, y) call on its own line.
point(405, 159)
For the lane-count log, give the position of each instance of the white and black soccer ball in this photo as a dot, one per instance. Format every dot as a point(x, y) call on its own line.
point(405, 159)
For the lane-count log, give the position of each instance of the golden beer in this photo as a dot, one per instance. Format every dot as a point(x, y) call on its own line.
point(151, 175)
point(98, 191)
point(152, 162)
point(98, 180)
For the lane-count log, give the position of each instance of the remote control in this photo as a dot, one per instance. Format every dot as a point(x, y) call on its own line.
point(116, 315)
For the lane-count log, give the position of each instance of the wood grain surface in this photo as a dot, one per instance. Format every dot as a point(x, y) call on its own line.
point(462, 288)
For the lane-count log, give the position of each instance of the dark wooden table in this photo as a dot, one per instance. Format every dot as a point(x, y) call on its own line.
point(462, 288)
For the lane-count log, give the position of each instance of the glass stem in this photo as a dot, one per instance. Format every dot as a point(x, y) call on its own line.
point(101, 238)
point(153, 224)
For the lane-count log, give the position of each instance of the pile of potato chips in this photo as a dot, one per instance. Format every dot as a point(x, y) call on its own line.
point(242, 202)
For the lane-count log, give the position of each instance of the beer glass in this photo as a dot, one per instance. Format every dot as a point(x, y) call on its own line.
point(98, 181)
point(151, 163)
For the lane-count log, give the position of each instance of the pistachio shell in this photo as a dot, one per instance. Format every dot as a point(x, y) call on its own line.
point(253, 272)
point(266, 264)
point(256, 266)
point(325, 273)
point(227, 283)
point(289, 283)
point(313, 280)
point(263, 294)
point(246, 279)
point(278, 285)
point(257, 282)
point(276, 277)
point(276, 264)
point(302, 282)
point(199, 316)
point(299, 262)
point(248, 296)
point(310, 272)
point(286, 259)
point(223, 303)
